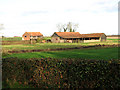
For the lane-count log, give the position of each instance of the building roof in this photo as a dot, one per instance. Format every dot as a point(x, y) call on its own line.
point(77, 35)
point(68, 34)
point(92, 35)
point(35, 33)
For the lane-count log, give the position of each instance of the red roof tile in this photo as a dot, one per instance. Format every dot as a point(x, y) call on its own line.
point(92, 35)
point(77, 35)
point(35, 33)
point(68, 34)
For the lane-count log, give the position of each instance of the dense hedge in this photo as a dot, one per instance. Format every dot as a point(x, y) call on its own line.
point(66, 73)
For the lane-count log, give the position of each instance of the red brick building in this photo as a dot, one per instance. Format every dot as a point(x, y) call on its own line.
point(31, 35)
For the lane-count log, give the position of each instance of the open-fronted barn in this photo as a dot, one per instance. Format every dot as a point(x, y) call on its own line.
point(71, 37)
point(61, 37)
point(31, 35)
point(94, 37)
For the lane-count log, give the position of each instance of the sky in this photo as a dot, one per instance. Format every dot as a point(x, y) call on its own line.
point(92, 16)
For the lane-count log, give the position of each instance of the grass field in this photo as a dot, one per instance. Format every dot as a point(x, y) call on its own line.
point(95, 54)
point(18, 38)
point(54, 45)
point(105, 53)
point(12, 39)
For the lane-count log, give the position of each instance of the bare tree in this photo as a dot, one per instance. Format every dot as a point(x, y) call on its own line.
point(65, 28)
point(59, 26)
point(75, 26)
point(70, 27)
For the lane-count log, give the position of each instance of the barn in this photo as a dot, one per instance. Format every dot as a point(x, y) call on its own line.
point(76, 37)
point(31, 35)
point(62, 37)
point(94, 37)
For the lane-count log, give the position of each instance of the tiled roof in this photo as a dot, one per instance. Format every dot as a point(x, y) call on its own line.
point(92, 35)
point(35, 33)
point(68, 34)
point(77, 35)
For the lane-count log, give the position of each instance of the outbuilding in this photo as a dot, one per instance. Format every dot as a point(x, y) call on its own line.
point(63, 37)
point(76, 37)
point(94, 37)
point(31, 35)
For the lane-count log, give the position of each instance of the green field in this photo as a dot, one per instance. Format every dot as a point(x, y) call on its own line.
point(104, 53)
point(11, 38)
point(95, 54)
point(53, 45)
point(18, 38)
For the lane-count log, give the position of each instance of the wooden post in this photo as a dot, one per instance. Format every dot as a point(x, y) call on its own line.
point(30, 41)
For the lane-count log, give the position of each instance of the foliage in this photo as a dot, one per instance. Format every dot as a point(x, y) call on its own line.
point(60, 73)
point(39, 40)
point(46, 38)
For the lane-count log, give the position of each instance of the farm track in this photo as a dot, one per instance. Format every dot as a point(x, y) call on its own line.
point(58, 49)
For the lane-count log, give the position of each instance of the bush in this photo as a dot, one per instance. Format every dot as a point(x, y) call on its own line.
point(46, 73)
point(39, 40)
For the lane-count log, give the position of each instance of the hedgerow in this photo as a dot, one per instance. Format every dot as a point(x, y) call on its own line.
point(56, 73)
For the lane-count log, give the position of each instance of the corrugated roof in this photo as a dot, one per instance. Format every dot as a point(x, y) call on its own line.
point(92, 35)
point(68, 34)
point(35, 33)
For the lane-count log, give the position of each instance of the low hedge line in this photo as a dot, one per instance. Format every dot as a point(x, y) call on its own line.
point(54, 73)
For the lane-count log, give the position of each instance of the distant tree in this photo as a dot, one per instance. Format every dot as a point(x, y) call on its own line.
point(73, 30)
point(70, 27)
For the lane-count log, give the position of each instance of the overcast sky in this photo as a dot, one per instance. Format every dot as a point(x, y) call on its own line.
point(93, 16)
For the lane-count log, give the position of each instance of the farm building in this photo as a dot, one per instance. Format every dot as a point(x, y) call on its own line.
point(31, 35)
point(72, 37)
point(113, 36)
point(94, 37)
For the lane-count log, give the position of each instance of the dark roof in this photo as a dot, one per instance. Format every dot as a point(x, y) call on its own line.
point(35, 33)
point(68, 34)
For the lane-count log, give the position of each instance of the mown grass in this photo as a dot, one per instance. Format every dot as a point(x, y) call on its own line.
point(95, 54)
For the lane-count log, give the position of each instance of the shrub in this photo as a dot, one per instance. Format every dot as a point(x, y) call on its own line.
point(39, 40)
point(66, 73)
